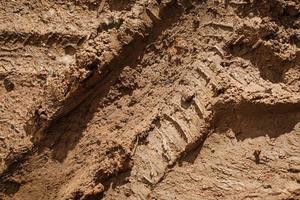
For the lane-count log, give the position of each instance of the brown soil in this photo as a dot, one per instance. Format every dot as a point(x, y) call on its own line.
point(149, 99)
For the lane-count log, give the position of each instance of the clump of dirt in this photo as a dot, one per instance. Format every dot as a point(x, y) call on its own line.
point(148, 99)
point(271, 48)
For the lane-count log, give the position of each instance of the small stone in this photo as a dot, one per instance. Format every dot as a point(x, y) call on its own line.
point(187, 96)
point(8, 84)
point(256, 155)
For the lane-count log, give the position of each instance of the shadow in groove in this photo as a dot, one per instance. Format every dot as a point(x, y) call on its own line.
point(249, 120)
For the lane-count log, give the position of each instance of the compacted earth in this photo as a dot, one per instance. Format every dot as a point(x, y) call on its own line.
point(149, 99)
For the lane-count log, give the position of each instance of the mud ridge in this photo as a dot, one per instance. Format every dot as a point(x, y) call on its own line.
point(37, 39)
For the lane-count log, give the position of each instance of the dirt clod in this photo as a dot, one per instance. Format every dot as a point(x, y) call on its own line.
point(8, 84)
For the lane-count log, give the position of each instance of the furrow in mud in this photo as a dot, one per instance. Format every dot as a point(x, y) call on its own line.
point(94, 88)
point(100, 73)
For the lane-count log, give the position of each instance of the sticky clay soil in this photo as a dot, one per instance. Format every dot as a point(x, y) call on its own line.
point(149, 99)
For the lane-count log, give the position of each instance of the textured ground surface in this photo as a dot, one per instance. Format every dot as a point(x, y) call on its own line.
point(149, 99)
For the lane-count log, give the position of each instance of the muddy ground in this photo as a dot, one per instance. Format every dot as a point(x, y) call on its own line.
point(149, 99)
